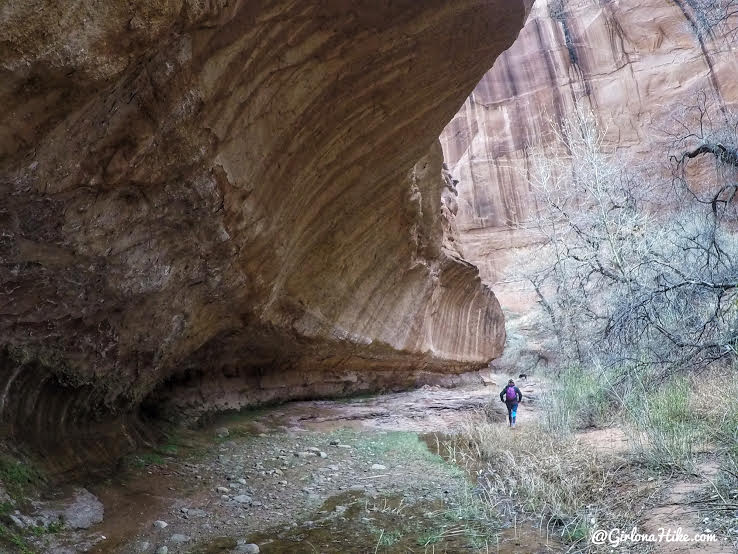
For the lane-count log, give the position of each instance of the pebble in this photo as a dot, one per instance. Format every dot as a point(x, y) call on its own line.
point(334, 442)
point(194, 512)
point(378, 467)
point(322, 454)
point(162, 550)
point(179, 538)
point(160, 524)
point(222, 432)
point(250, 548)
point(18, 522)
point(312, 449)
point(242, 499)
point(223, 489)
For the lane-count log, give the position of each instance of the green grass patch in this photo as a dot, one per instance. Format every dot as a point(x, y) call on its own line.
point(223, 419)
point(387, 537)
point(396, 445)
point(175, 445)
point(18, 477)
point(168, 449)
point(145, 459)
point(50, 529)
point(723, 425)
point(13, 540)
point(579, 399)
point(665, 430)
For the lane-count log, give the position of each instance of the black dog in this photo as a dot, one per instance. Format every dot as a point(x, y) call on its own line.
point(523, 376)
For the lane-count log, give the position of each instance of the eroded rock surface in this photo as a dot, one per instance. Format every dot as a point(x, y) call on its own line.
point(636, 64)
point(228, 203)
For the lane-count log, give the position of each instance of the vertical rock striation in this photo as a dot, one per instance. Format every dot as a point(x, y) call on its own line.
point(635, 63)
point(212, 204)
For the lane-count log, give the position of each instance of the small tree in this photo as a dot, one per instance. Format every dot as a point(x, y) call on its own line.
point(632, 268)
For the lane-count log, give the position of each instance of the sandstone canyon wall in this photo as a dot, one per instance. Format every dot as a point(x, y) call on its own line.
point(635, 63)
point(212, 204)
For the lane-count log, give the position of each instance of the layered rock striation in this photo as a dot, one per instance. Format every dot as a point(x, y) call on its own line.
point(214, 204)
point(636, 64)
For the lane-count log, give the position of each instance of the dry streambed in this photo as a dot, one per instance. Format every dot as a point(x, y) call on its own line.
point(321, 476)
point(374, 474)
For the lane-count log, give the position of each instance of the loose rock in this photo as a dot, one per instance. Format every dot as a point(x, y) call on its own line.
point(194, 512)
point(222, 432)
point(81, 511)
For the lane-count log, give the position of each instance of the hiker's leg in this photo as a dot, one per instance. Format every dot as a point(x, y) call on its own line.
point(509, 413)
point(514, 413)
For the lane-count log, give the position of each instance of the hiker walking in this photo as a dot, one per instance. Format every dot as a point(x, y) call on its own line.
point(511, 395)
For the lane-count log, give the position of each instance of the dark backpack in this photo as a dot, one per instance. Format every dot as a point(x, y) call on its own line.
point(510, 394)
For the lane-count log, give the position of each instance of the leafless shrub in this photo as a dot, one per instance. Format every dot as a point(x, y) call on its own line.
point(715, 18)
point(630, 269)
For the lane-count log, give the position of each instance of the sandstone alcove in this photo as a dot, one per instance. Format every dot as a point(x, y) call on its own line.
point(262, 275)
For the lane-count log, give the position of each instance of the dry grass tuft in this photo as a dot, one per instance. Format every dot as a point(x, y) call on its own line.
point(556, 481)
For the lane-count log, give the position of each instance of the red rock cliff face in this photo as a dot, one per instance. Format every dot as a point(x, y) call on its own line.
point(633, 62)
point(231, 202)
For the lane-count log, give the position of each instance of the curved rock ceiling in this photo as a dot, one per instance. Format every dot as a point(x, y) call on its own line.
point(230, 202)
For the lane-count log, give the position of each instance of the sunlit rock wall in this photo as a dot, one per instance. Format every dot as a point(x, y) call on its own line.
point(635, 63)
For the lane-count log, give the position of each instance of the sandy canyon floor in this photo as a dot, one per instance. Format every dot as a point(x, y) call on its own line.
point(371, 474)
